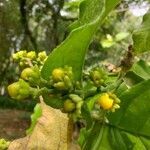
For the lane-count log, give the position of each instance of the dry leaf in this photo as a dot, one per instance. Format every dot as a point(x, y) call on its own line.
point(52, 132)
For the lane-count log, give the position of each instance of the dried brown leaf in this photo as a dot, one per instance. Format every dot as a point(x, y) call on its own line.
point(52, 132)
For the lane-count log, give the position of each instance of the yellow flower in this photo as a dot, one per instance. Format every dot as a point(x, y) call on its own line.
point(105, 101)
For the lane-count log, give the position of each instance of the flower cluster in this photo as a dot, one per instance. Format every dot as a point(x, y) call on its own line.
point(26, 59)
point(62, 78)
point(61, 87)
point(98, 76)
point(30, 77)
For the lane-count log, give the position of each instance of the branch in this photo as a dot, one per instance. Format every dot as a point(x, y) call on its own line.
point(55, 17)
point(127, 61)
point(24, 22)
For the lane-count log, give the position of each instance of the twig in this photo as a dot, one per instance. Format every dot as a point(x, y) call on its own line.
point(24, 22)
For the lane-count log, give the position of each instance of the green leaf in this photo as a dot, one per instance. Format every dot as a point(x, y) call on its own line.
point(120, 139)
point(106, 137)
point(72, 4)
point(53, 101)
point(91, 101)
point(141, 36)
point(83, 136)
point(131, 79)
point(34, 117)
point(139, 72)
point(142, 69)
point(72, 51)
point(128, 128)
point(123, 87)
point(134, 114)
point(86, 115)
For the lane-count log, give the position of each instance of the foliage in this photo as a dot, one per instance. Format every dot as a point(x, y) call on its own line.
point(141, 36)
point(37, 114)
point(30, 25)
point(76, 43)
point(43, 25)
point(112, 104)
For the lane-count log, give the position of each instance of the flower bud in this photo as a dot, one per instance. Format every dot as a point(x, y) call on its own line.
point(13, 89)
point(15, 57)
point(42, 56)
point(79, 105)
point(98, 76)
point(69, 106)
point(19, 90)
point(19, 55)
point(68, 71)
point(75, 98)
point(31, 55)
point(21, 64)
point(60, 86)
point(62, 78)
point(116, 106)
point(22, 53)
point(67, 81)
point(30, 74)
point(57, 74)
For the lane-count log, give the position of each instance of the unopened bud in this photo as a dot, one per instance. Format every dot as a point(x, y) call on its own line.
point(19, 90)
point(67, 81)
point(98, 76)
point(30, 73)
point(19, 55)
point(60, 86)
point(31, 55)
point(42, 56)
point(69, 106)
point(58, 74)
point(75, 98)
